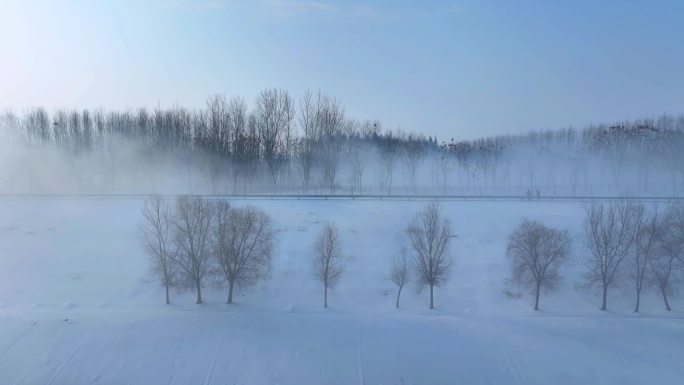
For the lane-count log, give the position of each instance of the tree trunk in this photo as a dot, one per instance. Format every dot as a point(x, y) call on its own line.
point(605, 293)
point(168, 301)
point(230, 292)
point(638, 299)
point(199, 291)
point(536, 298)
point(325, 296)
point(667, 304)
point(432, 303)
point(398, 295)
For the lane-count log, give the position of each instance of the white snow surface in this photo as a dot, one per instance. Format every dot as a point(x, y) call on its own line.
point(79, 305)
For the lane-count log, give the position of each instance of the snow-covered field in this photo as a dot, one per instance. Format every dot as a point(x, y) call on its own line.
point(78, 304)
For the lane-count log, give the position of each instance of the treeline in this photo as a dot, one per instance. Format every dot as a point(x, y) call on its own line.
point(193, 240)
point(643, 156)
point(280, 144)
point(280, 137)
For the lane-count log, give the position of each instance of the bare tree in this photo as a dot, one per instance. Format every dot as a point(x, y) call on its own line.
point(646, 239)
point(329, 117)
point(192, 221)
point(87, 131)
point(37, 123)
point(329, 120)
point(155, 233)
point(328, 262)
point(357, 164)
point(414, 153)
point(400, 273)
point(537, 252)
point(274, 112)
point(609, 233)
point(662, 266)
point(330, 157)
point(306, 145)
point(675, 225)
point(462, 152)
point(243, 240)
point(429, 236)
point(670, 250)
point(217, 124)
point(389, 152)
point(307, 116)
point(304, 161)
point(443, 163)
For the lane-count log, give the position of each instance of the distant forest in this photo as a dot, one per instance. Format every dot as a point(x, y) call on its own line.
point(310, 146)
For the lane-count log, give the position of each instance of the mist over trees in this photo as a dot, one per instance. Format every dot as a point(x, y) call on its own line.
point(309, 145)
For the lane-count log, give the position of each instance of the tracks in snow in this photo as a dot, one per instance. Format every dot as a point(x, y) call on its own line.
point(504, 347)
point(17, 338)
point(207, 379)
point(72, 354)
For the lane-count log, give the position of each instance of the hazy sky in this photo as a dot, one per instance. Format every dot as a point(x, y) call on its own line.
point(455, 69)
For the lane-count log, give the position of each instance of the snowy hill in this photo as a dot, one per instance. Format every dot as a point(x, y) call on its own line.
point(79, 304)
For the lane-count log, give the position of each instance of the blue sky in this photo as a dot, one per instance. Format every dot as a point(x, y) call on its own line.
point(453, 69)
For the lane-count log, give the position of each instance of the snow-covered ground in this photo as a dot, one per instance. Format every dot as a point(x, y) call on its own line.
point(78, 304)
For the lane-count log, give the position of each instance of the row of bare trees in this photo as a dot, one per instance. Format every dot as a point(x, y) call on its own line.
point(428, 234)
point(198, 239)
point(624, 242)
point(628, 241)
